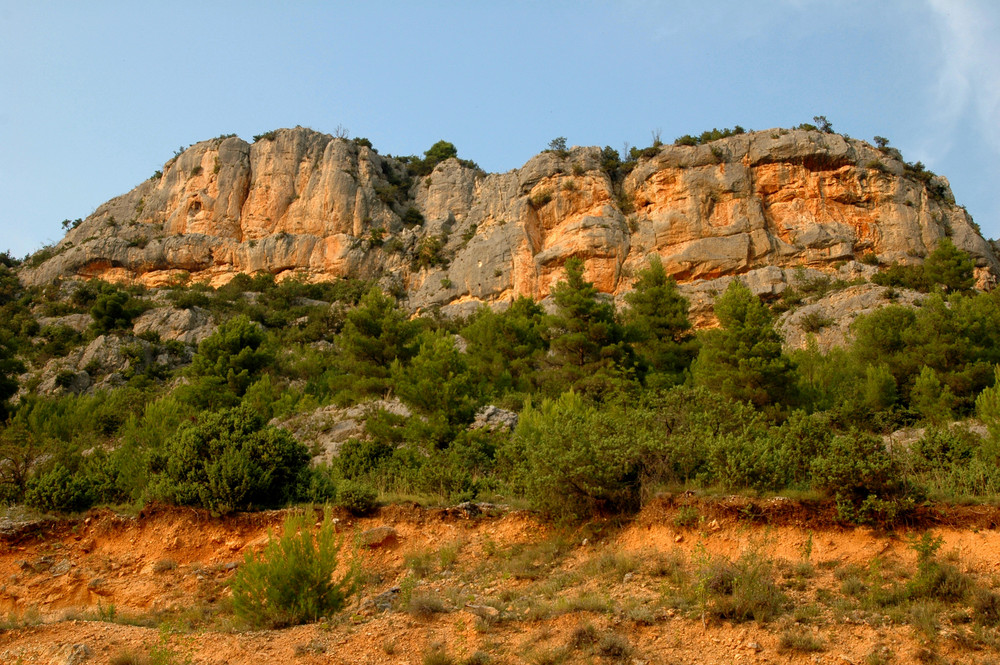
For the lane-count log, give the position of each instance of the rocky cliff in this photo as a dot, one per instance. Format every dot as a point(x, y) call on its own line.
point(300, 203)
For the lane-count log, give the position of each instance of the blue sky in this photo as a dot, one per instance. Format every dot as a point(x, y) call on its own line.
point(95, 96)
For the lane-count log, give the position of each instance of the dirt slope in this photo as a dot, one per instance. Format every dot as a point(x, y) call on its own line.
point(152, 589)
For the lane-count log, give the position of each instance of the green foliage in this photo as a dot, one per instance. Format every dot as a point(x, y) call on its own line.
point(950, 267)
point(866, 481)
point(903, 276)
point(10, 367)
point(741, 590)
point(430, 252)
point(572, 459)
point(708, 136)
point(822, 124)
point(743, 358)
point(232, 460)
point(59, 490)
point(589, 351)
point(357, 498)
point(929, 399)
point(505, 348)
point(375, 334)
point(658, 326)
point(293, 581)
point(438, 380)
point(434, 155)
point(114, 310)
point(558, 146)
point(234, 355)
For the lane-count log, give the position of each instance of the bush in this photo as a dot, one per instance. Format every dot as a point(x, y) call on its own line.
point(358, 498)
point(59, 490)
point(234, 354)
point(292, 582)
point(864, 479)
point(233, 460)
point(573, 459)
point(114, 310)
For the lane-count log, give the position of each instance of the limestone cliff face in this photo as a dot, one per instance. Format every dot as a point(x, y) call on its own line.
point(306, 204)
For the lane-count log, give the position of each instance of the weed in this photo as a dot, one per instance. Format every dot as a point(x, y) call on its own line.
point(799, 640)
point(420, 563)
point(670, 566)
point(924, 617)
point(436, 654)
point(986, 607)
point(687, 517)
point(129, 658)
point(424, 605)
point(584, 636)
point(614, 647)
point(540, 199)
point(743, 590)
point(879, 655)
point(163, 565)
point(612, 564)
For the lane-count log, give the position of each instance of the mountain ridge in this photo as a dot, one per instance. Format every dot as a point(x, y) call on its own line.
point(296, 202)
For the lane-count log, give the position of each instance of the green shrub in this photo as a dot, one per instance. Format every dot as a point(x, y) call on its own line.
point(234, 354)
point(741, 590)
point(574, 459)
point(233, 460)
point(114, 310)
point(357, 498)
point(867, 482)
point(59, 490)
point(292, 582)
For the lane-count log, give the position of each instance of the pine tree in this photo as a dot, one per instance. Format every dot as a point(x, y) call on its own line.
point(588, 348)
point(376, 334)
point(658, 326)
point(743, 358)
point(505, 348)
point(951, 267)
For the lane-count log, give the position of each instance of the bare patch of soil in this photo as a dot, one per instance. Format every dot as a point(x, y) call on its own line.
point(504, 587)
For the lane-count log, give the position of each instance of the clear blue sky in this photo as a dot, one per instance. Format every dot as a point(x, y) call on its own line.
point(95, 96)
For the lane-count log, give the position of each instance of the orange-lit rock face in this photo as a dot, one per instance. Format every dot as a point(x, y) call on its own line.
point(315, 207)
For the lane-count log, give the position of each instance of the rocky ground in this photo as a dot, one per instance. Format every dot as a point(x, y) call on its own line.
point(464, 585)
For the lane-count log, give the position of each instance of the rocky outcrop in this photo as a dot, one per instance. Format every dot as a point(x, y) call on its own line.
point(327, 428)
point(302, 203)
point(827, 320)
point(188, 326)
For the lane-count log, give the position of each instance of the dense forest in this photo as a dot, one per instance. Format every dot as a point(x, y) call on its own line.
point(615, 404)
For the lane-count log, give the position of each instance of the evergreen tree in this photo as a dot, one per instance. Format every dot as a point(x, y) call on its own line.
point(951, 267)
point(659, 327)
point(234, 355)
point(10, 367)
point(505, 348)
point(438, 380)
point(743, 358)
point(113, 310)
point(588, 348)
point(375, 334)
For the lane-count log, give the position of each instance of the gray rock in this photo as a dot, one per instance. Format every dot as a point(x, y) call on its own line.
point(189, 326)
point(493, 418)
point(77, 653)
point(328, 427)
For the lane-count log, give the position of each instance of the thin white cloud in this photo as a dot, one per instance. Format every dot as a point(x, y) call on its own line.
point(968, 83)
